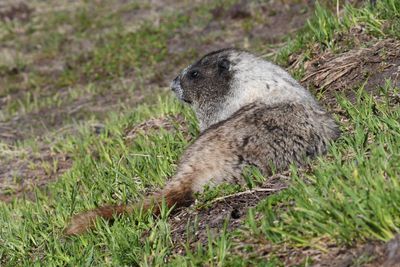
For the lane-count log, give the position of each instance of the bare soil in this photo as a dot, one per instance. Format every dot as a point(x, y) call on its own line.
point(62, 119)
point(372, 254)
point(22, 171)
point(243, 25)
point(19, 11)
point(344, 72)
point(368, 254)
point(193, 226)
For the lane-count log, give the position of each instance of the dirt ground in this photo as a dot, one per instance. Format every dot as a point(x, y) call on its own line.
point(37, 169)
point(370, 65)
point(193, 226)
point(376, 253)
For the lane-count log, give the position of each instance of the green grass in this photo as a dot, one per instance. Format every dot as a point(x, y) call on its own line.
point(349, 197)
point(106, 170)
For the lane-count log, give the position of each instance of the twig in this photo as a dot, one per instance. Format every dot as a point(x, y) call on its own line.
point(255, 190)
point(145, 155)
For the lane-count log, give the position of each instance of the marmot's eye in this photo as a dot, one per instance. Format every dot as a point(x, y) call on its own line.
point(193, 74)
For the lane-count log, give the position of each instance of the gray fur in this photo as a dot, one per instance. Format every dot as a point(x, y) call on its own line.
point(252, 112)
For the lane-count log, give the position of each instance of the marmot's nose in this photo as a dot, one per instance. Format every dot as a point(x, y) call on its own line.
point(174, 83)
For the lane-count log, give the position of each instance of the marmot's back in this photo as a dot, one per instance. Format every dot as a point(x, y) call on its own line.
point(267, 135)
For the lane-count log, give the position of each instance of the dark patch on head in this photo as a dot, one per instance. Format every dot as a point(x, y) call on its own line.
point(267, 85)
point(208, 80)
point(223, 65)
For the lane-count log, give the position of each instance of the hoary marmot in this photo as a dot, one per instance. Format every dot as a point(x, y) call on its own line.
point(251, 112)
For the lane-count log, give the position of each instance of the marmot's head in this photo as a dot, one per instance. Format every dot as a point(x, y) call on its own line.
point(222, 82)
point(206, 81)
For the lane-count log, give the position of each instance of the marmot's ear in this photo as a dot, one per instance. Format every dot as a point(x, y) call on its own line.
point(223, 65)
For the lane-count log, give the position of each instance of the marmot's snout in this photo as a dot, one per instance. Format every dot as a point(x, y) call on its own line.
point(175, 84)
point(177, 88)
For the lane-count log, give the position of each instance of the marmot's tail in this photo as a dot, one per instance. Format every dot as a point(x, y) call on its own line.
point(176, 195)
point(82, 222)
